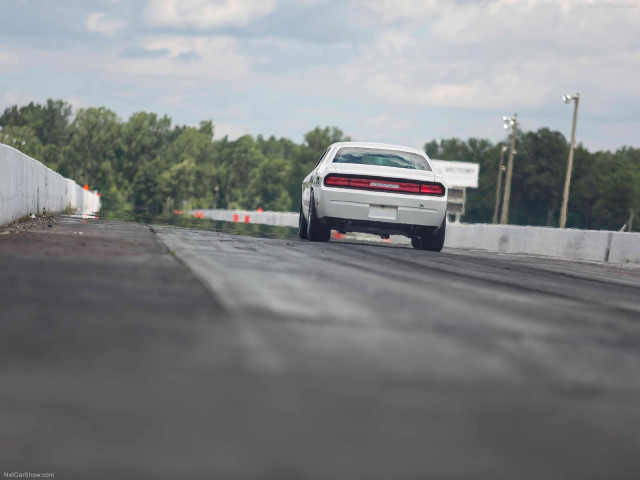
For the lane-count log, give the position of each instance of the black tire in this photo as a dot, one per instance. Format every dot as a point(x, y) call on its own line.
point(316, 232)
point(302, 225)
point(435, 241)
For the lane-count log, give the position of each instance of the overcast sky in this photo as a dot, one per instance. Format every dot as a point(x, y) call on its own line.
point(399, 71)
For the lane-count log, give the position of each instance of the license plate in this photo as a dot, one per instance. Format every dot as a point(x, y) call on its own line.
point(380, 211)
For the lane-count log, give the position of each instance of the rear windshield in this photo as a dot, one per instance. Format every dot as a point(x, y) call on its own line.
point(381, 158)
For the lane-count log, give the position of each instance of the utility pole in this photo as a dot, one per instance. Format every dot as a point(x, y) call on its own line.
point(567, 180)
point(499, 187)
point(509, 122)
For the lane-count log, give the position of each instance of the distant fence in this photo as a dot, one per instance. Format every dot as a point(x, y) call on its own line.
point(285, 219)
point(593, 245)
point(29, 187)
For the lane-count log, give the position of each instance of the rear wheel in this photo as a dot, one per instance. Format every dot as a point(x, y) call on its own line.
point(302, 225)
point(434, 241)
point(316, 232)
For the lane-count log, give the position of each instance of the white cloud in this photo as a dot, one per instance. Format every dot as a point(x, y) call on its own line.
point(13, 97)
point(97, 22)
point(394, 42)
point(202, 14)
point(189, 57)
point(390, 11)
point(172, 99)
point(561, 25)
point(231, 130)
point(493, 55)
point(8, 59)
point(503, 87)
point(385, 121)
point(77, 102)
point(403, 63)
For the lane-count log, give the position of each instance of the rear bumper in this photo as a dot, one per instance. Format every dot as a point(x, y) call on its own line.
point(380, 207)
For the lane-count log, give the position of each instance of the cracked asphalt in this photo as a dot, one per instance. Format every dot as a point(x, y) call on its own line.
point(131, 352)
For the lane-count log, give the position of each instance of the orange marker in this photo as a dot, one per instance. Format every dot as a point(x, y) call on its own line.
point(259, 210)
point(86, 186)
point(246, 219)
point(235, 217)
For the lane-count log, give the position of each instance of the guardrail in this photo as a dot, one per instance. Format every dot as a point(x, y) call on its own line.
point(285, 219)
point(29, 187)
point(572, 244)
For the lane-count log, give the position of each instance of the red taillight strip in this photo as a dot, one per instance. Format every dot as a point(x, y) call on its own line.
point(336, 181)
point(431, 189)
point(385, 184)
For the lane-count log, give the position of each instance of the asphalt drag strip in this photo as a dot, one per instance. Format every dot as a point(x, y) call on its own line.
point(176, 353)
point(459, 364)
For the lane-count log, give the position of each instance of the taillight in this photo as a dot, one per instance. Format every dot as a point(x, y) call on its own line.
point(410, 187)
point(337, 181)
point(384, 184)
point(360, 183)
point(431, 189)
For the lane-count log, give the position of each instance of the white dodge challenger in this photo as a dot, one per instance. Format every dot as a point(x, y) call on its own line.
point(374, 188)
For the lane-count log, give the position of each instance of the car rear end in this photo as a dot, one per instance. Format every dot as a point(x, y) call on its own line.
point(381, 199)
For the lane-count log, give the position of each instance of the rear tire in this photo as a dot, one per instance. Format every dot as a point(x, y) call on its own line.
point(435, 242)
point(315, 231)
point(302, 225)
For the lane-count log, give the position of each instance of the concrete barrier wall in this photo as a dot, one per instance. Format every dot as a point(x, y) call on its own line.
point(29, 187)
point(625, 248)
point(600, 246)
point(594, 245)
point(551, 242)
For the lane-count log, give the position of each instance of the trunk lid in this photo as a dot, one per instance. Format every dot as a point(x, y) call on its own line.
point(383, 172)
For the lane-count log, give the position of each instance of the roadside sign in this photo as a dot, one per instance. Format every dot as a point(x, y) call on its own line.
point(457, 174)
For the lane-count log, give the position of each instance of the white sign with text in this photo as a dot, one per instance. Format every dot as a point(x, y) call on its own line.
point(457, 174)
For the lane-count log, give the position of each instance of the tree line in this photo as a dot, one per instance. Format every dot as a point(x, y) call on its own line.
point(147, 164)
point(605, 186)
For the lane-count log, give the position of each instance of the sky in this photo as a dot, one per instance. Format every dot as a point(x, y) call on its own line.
point(394, 71)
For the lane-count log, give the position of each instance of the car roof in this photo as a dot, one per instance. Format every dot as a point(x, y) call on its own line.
point(379, 146)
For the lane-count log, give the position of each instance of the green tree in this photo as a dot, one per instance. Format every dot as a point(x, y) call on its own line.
point(318, 139)
point(538, 179)
point(431, 148)
point(22, 138)
point(193, 148)
point(50, 122)
point(266, 185)
point(95, 144)
point(147, 190)
point(238, 160)
point(143, 137)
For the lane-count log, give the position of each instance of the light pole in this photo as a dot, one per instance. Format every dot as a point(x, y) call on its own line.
point(509, 122)
point(499, 187)
point(567, 180)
